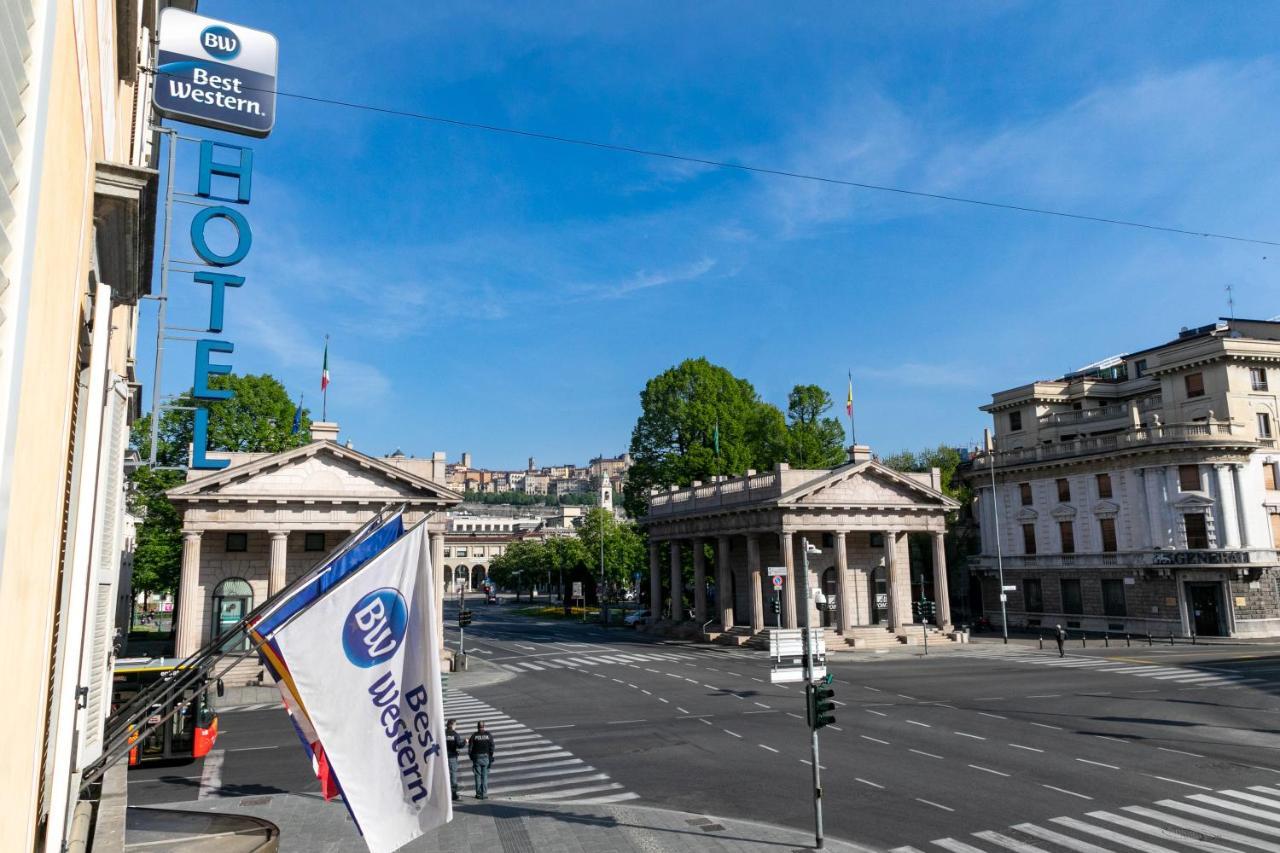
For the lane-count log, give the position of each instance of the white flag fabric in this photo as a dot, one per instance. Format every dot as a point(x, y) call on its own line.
point(365, 660)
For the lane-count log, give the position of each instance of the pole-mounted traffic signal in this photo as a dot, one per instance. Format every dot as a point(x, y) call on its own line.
point(821, 707)
point(776, 605)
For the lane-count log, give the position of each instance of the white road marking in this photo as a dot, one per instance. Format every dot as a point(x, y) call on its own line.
point(966, 734)
point(1097, 763)
point(927, 754)
point(935, 805)
point(866, 782)
point(873, 739)
point(988, 770)
point(1179, 782)
point(735, 734)
point(1028, 748)
point(1065, 791)
point(762, 746)
point(877, 713)
point(1047, 726)
point(918, 723)
point(1180, 751)
point(993, 716)
point(211, 774)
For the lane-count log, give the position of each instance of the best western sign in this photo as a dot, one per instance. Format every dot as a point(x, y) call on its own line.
point(216, 74)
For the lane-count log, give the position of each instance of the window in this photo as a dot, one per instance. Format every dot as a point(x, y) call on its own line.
point(1064, 490)
point(232, 601)
point(1032, 595)
point(478, 552)
point(1195, 384)
point(313, 542)
point(1139, 368)
point(1015, 421)
point(1024, 491)
point(1072, 602)
point(1275, 530)
point(1113, 598)
point(1269, 476)
point(1189, 478)
point(1258, 378)
point(1197, 530)
point(1107, 529)
point(1104, 485)
point(1028, 538)
point(237, 541)
point(1067, 530)
point(1264, 425)
point(462, 551)
point(448, 551)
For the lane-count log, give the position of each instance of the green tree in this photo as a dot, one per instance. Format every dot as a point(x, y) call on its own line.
point(259, 418)
point(623, 546)
point(945, 459)
point(697, 420)
point(813, 441)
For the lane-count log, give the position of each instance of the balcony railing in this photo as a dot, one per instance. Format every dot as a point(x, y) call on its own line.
point(1079, 416)
point(1156, 558)
point(708, 496)
point(1208, 432)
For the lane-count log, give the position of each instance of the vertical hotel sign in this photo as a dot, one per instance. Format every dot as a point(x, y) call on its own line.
point(219, 75)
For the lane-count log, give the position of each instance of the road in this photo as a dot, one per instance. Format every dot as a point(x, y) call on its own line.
point(926, 751)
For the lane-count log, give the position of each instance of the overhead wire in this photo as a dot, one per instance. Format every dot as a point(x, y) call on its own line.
point(747, 167)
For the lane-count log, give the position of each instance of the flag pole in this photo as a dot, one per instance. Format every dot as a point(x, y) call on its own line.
point(324, 383)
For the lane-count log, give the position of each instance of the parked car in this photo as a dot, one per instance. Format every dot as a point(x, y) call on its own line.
point(636, 619)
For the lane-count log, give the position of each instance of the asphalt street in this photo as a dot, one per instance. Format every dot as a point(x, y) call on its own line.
point(926, 751)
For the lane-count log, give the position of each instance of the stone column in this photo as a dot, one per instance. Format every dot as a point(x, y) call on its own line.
point(1160, 532)
point(786, 542)
point(1242, 513)
point(1142, 523)
point(895, 568)
point(1224, 495)
point(842, 589)
point(754, 581)
point(436, 542)
point(1171, 489)
point(724, 582)
point(279, 556)
point(940, 591)
point(699, 582)
point(655, 581)
point(190, 604)
point(677, 583)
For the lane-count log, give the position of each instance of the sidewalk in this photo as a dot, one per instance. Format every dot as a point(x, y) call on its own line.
point(310, 825)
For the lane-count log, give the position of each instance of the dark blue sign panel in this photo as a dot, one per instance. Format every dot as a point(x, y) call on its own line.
point(216, 74)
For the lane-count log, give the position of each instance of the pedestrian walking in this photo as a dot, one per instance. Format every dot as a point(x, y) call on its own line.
point(1061, 636)
point(480, 749)
point(454, 741)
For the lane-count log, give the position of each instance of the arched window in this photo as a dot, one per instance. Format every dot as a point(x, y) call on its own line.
point(232, 601)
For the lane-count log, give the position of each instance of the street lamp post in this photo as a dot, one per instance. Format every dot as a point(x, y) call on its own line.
point(995, 507)
point(807, 549)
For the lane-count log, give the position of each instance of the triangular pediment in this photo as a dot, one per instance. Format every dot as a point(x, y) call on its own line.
point(1105, 508)
point(867, 484)
point(1063, 512)
point(1193, 502)
point(1026, 514)
point(321, 471)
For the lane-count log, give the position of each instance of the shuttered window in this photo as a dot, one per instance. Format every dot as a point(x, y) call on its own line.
point(1107, 527)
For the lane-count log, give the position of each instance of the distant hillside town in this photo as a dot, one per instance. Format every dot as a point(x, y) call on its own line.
point(553, 481)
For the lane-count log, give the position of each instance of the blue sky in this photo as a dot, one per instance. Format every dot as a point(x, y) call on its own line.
point(510, 297)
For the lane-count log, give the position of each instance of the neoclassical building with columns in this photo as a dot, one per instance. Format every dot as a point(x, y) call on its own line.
point(858, 515)
point(253, 527)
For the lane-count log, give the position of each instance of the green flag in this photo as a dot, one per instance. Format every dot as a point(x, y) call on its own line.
point(715, 437)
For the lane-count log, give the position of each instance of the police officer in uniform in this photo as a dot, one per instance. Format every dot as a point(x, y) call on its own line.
point(454, 741)
point(480, 749)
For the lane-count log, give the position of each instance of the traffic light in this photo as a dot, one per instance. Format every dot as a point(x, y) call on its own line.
point(464, 618)
point(821, 707)
point(776, 605)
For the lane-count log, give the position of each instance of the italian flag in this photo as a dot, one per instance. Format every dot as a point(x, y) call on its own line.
point(848, 405)
point(324, 373)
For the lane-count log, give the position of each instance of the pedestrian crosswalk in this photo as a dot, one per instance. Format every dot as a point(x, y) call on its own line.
point(583, 661)
point(1229, 821)
point(1175, 674)
point(528, 766)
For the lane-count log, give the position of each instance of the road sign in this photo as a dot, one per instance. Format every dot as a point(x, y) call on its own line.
point(785, 674)
point(774, 571)
point(778, 580)
point(577, 589)
point(789, 642)
point(1009, 588)
point(1004, 597)
point(216, 74)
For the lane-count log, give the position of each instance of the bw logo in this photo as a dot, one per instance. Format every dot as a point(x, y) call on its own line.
point(220, 42)
point(375, 627)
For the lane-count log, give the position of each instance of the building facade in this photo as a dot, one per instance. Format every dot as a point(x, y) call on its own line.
point(77, 208)
point(250, 529)
point(1139, 494)
point(859, 516)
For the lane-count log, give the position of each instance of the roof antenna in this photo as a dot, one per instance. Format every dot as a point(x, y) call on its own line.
point(1231, 301)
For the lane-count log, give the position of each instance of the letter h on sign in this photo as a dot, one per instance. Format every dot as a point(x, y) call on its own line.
point(242, 173)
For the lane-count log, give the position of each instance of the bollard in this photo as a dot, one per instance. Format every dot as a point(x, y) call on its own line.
point(1148, 638)
point(1193, 636)
point(1042, 642)
point(1128, 641)
point(1106, 640)
point(1084, 643)
point(1171, 638)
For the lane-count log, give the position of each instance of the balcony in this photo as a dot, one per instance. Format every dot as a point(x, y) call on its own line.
point(1145, 559)
point(702, 497)
point(1073, 417)
point(1199, 432)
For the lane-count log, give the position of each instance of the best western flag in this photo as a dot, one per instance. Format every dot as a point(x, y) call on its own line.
point(364, 661)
